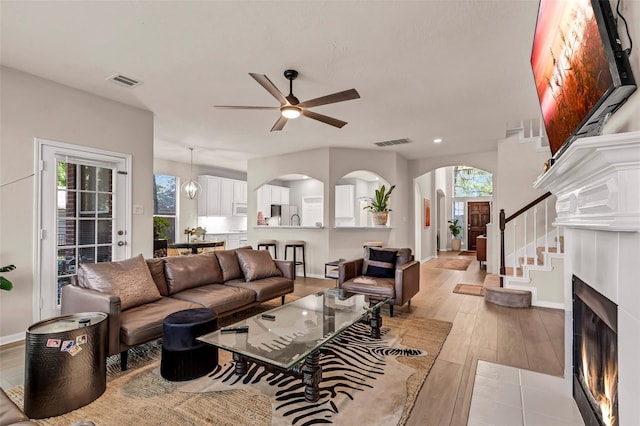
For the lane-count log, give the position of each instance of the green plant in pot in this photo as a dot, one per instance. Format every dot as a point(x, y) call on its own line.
point(379, 205)
point(161, 227)
point(5, 284)
point(456, 229)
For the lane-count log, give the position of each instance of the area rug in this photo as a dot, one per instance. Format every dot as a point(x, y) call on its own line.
point(452, 263)
point(467, 253)
point(472, 289)
point(396, 367)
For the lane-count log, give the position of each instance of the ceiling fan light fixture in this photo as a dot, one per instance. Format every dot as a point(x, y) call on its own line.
point(290, 112)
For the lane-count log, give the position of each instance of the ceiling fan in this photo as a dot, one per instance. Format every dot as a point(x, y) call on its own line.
point(291, 107)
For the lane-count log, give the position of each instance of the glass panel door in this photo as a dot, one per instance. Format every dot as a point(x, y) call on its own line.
point(83, 216)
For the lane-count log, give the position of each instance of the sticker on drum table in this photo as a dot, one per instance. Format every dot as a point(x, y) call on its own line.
point(67, 345)
point(74, 350)
point(53, 343)
point(81, 340)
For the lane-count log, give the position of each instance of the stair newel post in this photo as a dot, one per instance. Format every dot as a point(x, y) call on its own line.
point(502, 269)
point(524, 241)
point(535, 234)
point(515, 248)
point(546, 226)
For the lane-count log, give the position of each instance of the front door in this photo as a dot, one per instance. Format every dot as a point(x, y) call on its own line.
point(82, 215)
point(479, 214)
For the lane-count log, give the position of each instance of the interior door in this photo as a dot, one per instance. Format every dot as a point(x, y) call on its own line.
point(83, 215)
point(479, 215)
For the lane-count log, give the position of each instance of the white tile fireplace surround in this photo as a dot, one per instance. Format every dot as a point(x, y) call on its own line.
point(597, 184)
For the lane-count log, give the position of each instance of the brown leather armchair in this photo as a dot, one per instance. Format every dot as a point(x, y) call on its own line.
point(404, 284)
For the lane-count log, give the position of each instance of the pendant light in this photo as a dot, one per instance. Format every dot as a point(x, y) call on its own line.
point(191, 189)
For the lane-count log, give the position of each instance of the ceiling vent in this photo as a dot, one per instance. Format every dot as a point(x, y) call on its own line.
point(123, 80)
point(393, 142)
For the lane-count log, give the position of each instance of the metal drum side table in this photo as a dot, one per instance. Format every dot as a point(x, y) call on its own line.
point(65, 364)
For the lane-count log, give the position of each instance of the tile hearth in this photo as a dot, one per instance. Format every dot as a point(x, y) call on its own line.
point(509, 396)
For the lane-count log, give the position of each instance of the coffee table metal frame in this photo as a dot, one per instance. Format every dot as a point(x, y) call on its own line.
point(291, 343)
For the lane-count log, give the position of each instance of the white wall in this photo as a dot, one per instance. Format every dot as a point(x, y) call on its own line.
point(33, 107)
point(426, 236)
point(627, 118)
point(329, 165)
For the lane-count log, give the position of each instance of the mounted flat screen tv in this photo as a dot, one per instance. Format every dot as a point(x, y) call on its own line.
point(581, 72)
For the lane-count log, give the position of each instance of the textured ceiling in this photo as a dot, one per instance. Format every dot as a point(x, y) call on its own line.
point(458, 70)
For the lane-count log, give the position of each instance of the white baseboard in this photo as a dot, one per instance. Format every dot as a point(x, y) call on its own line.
point(12, 338)
point(428, 259)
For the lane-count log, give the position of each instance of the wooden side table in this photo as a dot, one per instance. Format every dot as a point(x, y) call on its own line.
point(481, 250)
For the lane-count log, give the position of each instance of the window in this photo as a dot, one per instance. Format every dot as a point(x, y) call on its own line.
point(471, 182)
point(165, 202)
point(458, 213)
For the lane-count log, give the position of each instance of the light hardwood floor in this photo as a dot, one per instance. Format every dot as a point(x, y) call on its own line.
point(526, 338)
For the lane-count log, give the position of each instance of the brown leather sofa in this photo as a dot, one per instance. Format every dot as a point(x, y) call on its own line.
point(138, 294)
point(10, 414)
point(401, 285)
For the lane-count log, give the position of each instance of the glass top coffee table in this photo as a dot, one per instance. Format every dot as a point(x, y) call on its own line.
point(289, 337)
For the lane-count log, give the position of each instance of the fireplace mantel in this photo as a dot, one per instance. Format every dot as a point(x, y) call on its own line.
point(597, 183)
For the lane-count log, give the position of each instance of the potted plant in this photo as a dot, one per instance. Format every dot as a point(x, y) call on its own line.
point(5, 284)
point(161, 228)
point(379, 205)
point(455, 229)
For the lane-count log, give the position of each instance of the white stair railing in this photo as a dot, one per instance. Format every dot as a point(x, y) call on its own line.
point(534, 231)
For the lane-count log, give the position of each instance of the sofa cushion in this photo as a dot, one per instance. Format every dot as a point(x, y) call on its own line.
point(381, 263)
point(257, 264)
point(144, 323)
point(184, 272)
point(128, 279)
point(266, 288)
point(219, 297)
point(371, 285)
point(156, 267)
point(229, 265)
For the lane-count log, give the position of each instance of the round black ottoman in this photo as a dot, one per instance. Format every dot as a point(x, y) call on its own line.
point(184, 357)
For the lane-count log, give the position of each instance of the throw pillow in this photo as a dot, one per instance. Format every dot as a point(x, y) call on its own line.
point(229, 265)
point(382, 263)
point(185, 272)
point(129, 279)
point(257, 264)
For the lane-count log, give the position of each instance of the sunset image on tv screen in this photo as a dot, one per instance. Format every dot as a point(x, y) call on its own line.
point(570, 67)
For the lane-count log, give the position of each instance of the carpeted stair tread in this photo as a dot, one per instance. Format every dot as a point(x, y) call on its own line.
point(508, 297)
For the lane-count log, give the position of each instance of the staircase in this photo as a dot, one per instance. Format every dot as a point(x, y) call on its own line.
point(531, 258)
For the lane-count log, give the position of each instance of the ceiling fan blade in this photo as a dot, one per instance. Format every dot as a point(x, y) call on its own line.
point(346, 95)
point(279, 124)
point(271, 88)
point(325, 119)
point(243, 107)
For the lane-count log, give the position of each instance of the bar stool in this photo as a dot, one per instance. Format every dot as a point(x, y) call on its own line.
point(294, 245)
point(267, 244)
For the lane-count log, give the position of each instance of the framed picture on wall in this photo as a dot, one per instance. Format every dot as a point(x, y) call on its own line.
point(427, 213)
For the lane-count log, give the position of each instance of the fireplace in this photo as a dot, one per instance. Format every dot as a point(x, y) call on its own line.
point(595, 355)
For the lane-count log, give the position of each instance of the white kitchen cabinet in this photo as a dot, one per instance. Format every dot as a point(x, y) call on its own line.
point(226, 197)
point(239, 191)
point(267, 195)
point(219, 195)
point(209, 201)
point(344, 201)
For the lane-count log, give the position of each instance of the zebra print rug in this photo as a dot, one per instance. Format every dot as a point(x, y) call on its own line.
point(365, 382)
point(361, 379)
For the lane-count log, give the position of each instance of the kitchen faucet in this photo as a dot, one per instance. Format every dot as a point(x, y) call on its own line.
point(291, 220)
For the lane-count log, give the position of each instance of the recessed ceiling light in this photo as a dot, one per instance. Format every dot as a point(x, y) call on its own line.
point(437, 140)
